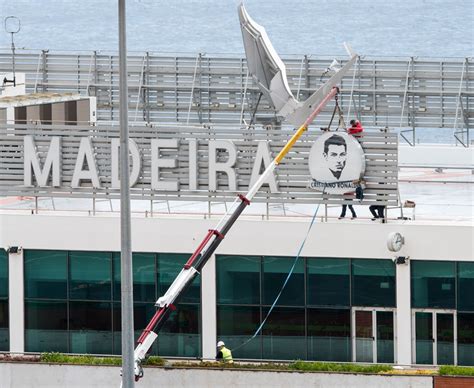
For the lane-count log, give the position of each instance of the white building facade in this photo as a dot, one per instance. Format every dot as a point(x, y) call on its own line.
point(347, 299)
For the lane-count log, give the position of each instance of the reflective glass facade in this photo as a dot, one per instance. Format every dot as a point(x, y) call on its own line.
point(72, 302)
point(4, 322)
point(466, 338)
point(465, 306)
point(373, 283)
point(433, 284)
point(441, 286)
point(312, 318)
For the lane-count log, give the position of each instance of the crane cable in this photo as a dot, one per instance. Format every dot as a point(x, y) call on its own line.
point(337, 108)
point(286, 280)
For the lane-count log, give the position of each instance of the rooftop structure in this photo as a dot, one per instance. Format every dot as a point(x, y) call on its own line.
point(409, 94)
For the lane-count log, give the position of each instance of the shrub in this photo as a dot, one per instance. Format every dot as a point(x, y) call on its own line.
point(451, 370)
point(333, 367)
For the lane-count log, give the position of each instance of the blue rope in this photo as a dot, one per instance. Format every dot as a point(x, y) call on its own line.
point(285, 283)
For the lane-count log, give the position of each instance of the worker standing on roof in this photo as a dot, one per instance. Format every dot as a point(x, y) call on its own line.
point(355, 128)
point(224, 354)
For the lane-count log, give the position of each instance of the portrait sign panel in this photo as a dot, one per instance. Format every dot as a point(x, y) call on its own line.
point(336, 163)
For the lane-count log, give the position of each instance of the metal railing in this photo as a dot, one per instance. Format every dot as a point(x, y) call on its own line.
point(404, 93)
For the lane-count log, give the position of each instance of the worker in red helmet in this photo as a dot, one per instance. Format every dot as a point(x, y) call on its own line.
point(355, 128)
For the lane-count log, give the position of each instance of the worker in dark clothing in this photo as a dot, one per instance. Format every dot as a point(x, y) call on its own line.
point(343, 213)
point(377, 211)
point(224, 354)
point(355, 128)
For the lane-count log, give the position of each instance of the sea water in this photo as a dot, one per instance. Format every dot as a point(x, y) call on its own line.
point(402, 28)
point(435, 28)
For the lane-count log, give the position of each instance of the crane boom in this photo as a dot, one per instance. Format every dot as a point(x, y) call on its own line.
point(166, 304)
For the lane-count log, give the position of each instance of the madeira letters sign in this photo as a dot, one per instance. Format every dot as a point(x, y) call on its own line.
point(188, 163)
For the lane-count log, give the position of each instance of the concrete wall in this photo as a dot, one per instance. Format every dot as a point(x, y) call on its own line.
point(16, 375)
point(282, 237)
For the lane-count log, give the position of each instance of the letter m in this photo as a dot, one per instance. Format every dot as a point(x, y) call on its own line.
point(32, 163)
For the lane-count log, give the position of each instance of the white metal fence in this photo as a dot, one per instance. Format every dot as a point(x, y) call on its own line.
point(400, 93)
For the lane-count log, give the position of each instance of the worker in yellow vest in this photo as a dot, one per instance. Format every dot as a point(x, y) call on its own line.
point(224, 354)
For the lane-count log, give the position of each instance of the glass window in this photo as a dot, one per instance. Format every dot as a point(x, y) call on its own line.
point(238, 279)
point(364, 336)
point(329, 282)
point(466, 286)
point(432, 284)
point(329, 335)
point(373, 283)
point(235, 325)
point(45, 274)
point(445, 338)
point(90, 325)
point(466, 339)
point(4, 343)
point(144, 269)
point(180, 336)
point(275, 272)
point(142, 314)
point(424, 338)
point(385, 337)
point(169, 266)
point(3, 273)
point(283, 334)
point(90, 275)
point(46, 326)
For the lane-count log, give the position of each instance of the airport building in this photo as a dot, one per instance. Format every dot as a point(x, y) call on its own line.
point(362, 290)
point(347, 299)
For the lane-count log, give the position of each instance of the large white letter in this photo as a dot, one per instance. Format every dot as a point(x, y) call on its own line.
point(157, 162)
point(263, 155)
point(226, 166)
point(85, 154)
point(31, 162)
point(136, 162)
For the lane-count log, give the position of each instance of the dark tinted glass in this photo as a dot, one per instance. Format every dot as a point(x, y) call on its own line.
point(142, 314)
point(90, 275)
point(46, 326)
point(3, 273)
point(180, 336)
point(3, 314)
point(445, 338)
point(4, 343)
point(238, 279)
point(465, 339)
point(466, 286)
point(275, 272)
point(284, 334)
point(385, 346)
point(144, 270)
point(169, 266)
point(45, 274)
point(432, 284)
point(90, 327)
point(235, 325)
point(424, 338)
point(329, 335)
point(373, 283)
point(328, 282)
